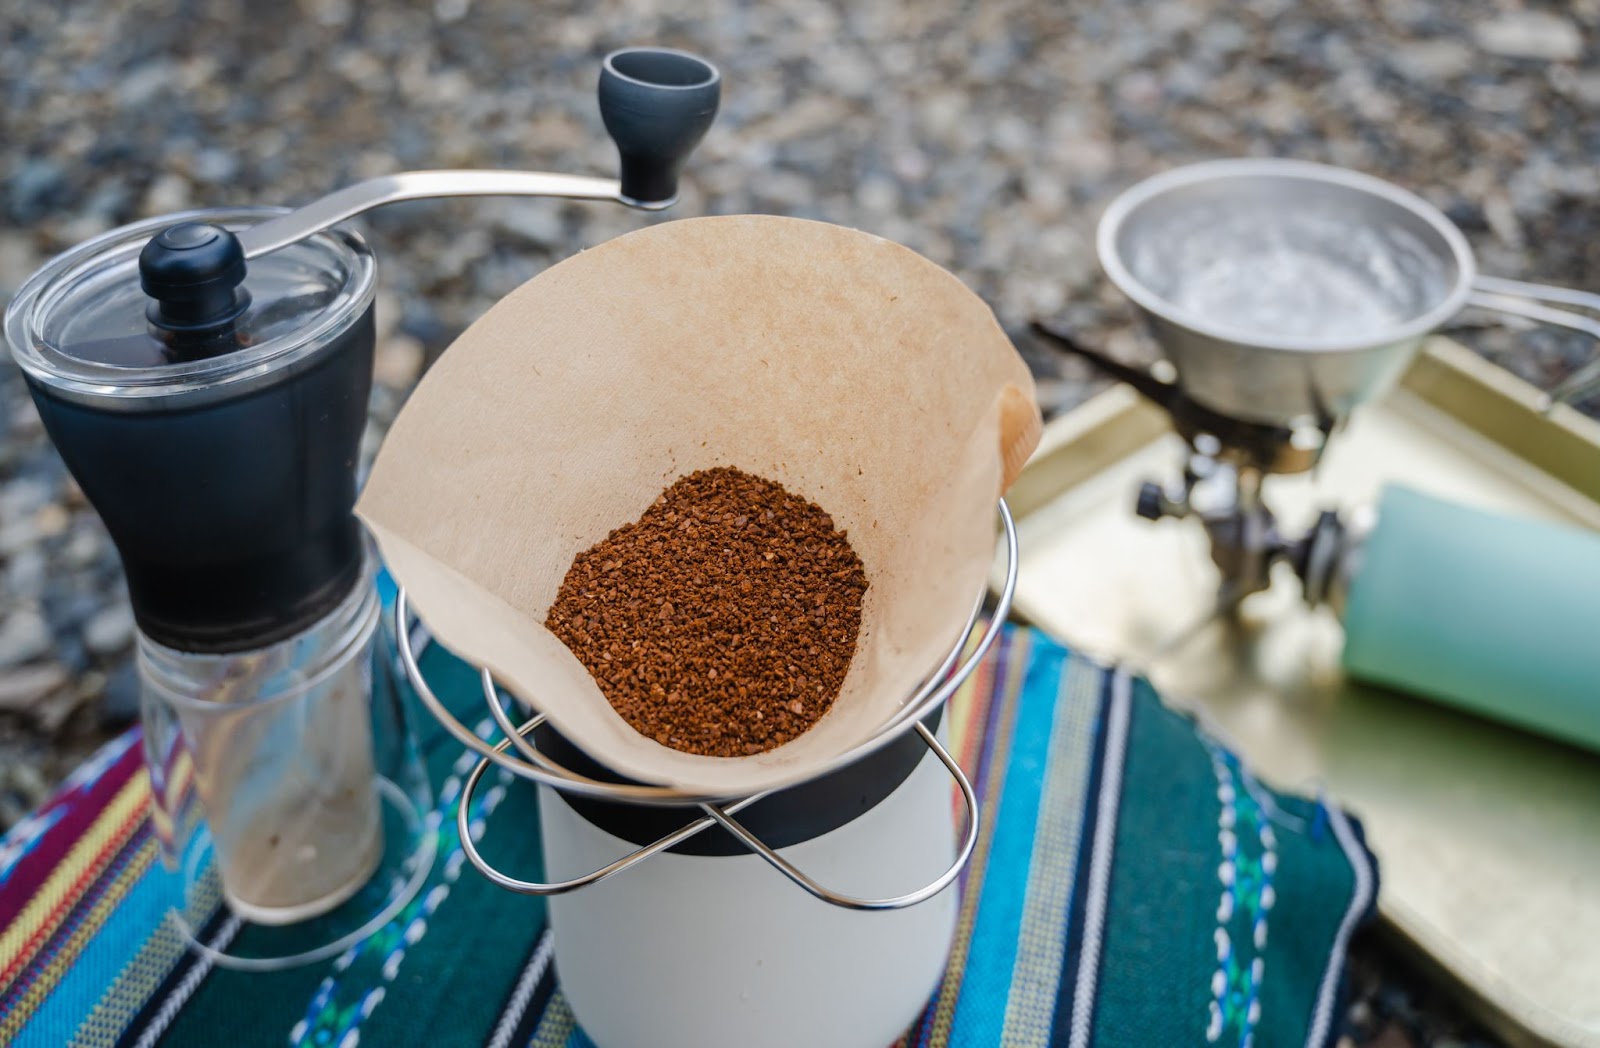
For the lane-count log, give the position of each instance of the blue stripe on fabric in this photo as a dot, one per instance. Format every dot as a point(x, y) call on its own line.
point(126, 929)
point(387, 589)
point(980, 1009)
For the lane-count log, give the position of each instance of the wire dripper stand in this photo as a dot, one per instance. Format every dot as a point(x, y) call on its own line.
point(537, 767)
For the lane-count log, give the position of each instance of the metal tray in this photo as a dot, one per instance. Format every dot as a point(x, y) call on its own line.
point(1488, 838)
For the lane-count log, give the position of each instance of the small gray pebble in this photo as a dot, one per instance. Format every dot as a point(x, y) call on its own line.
point(1531, 34)
point(17, 536)
point(26, 575)
point(143, 83)
point(120, 703)
point(421, 323)
point(23, 686)
point(1433, 61)
point(24, 635)
point(215, 165)
point(109, 203)
point(109, 631)
point(83, 548)
point(12, 810)
point(534, 222)
point(25, 779)
point(23, 496)
point(71, 653)
point(34, 190)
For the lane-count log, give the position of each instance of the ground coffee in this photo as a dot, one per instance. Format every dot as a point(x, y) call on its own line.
point(723, 621)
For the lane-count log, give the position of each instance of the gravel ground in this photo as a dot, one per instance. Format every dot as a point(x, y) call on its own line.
point(988, 137)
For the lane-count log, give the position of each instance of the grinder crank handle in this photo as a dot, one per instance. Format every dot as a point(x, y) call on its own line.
point(657, 104)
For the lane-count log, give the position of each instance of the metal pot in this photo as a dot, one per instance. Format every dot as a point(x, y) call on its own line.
point(1285, 291)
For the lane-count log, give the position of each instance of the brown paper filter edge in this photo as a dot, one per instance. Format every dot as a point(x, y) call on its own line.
point(847, 368)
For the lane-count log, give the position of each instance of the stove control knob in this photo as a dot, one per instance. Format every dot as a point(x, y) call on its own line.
point(1152, 501)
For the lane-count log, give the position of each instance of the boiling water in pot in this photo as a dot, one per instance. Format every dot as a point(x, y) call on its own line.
point(1287, 272)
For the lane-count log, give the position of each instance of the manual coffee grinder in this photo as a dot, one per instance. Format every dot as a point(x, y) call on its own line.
point(205, 377)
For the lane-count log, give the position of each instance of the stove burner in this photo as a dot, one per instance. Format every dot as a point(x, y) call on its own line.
point(1227, 463)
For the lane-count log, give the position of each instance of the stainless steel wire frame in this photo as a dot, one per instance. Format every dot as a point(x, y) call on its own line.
point(952, 672)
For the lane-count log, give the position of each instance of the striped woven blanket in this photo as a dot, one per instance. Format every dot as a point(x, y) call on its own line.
point(1133, 885)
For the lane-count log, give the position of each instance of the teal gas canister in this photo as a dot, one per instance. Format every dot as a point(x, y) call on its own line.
point(1493, 614)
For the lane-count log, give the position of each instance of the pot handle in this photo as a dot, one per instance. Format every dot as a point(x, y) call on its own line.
point(723, 814)
point(1537, 302)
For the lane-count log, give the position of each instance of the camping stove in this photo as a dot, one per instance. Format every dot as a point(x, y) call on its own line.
point(1284, 295)
point(1222, 485)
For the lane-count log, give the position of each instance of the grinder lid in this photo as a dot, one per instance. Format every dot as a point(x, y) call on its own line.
point(194, 321)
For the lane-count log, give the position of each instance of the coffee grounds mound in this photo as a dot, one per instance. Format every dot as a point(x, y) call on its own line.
point(723, 621)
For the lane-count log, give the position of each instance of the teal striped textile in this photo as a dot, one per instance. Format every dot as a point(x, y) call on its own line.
point(1133, 885)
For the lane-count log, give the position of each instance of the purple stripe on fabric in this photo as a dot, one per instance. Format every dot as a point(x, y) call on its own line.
point(994, 713)
point(35, 969)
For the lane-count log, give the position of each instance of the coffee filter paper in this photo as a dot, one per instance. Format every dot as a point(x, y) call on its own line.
point(846, 368)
